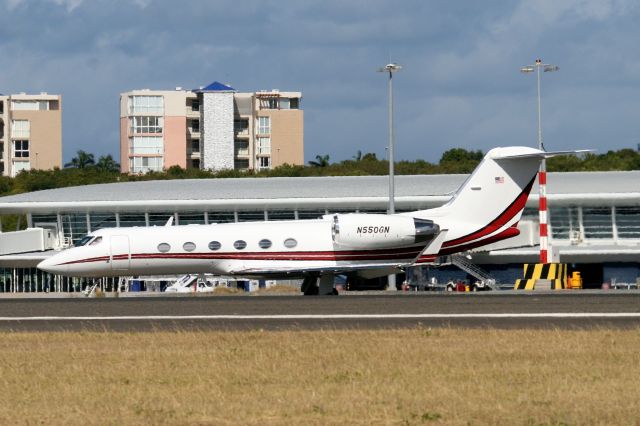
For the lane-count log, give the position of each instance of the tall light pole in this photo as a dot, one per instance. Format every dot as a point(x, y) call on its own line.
point(542, 174)
point(391, 68)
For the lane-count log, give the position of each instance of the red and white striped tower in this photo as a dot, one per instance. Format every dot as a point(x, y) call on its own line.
point(542, 174)
point(542, 194)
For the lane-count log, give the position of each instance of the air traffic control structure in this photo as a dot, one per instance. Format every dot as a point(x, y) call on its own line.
point(594, 218)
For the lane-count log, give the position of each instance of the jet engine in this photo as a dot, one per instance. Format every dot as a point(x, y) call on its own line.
point(377, 231)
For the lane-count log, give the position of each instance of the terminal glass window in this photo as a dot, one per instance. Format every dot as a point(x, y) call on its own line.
point(191, 218)
point(564, 222)
point(310, 214)
point(74, 226)
point(146, 145)
point(148, 124)
point(127, 220)
point(146, 105)
point(628, 222)
point(281, 215)
point(20, 129)
point(221, 217)
point(102, 220)
point(264, 125)
point(159, 219)
point(597, 223)
point(254, 216)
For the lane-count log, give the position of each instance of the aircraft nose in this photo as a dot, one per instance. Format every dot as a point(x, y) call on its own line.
point(52, 266)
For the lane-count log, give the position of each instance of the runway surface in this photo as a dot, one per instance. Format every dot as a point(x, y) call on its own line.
point(499, 309)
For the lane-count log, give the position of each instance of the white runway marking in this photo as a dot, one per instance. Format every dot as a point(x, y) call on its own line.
point(331, 316)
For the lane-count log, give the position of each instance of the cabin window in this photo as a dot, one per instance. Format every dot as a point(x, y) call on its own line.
point(290, 243)
point(214, 245)
point(189, 246)
point(164, 247)
point(265, 244)
point(239, 245)
point(96, 241)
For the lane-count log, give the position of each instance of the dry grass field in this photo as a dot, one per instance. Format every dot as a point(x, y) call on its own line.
point(399, 377)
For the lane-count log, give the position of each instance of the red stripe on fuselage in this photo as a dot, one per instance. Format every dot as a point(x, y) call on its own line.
point(391, 254)
point(507, 233)
point(503, 218)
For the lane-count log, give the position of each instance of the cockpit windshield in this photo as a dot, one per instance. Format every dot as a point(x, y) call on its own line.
point(84, 240)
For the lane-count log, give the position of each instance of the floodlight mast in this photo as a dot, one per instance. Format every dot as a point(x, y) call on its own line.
point(542, 175)
point(391, 68)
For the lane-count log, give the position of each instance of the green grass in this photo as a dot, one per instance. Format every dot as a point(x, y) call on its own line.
point(403, 377)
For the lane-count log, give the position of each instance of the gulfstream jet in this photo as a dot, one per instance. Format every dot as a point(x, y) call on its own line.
point(485, 209)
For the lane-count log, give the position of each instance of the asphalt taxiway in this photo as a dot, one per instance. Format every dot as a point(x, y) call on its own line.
point(499, 309)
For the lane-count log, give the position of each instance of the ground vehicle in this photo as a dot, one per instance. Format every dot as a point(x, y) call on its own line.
point(463, 285)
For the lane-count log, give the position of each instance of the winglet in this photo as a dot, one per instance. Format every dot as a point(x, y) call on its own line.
point(430, 252)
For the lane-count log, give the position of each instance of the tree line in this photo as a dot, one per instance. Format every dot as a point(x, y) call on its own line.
point(84, 170)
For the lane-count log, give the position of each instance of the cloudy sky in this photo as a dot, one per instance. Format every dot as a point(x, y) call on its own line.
point(460, 86)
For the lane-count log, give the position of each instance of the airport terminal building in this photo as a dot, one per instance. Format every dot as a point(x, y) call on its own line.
point(594, 218)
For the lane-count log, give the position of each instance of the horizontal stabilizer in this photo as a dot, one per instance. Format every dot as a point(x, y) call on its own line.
point(430, 253)
point(541, 154)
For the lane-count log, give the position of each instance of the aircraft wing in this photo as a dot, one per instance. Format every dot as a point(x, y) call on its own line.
point(338, 269)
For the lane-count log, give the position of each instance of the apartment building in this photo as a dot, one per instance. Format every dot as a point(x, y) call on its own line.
point(213, 127)
point(30, 132)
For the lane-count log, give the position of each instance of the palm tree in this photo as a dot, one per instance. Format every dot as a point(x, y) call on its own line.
point(82, 160)
point(358, 156)
point(106, 163)
point(320, 161)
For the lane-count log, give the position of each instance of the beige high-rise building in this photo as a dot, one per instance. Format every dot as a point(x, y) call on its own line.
point(213, 128)
point(30, 132)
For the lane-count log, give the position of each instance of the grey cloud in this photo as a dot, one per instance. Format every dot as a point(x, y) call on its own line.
point(460, 85)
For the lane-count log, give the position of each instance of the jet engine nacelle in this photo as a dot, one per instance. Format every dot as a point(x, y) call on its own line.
point(381, 231)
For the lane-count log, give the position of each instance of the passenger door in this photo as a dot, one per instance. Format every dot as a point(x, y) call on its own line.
point(120, 253)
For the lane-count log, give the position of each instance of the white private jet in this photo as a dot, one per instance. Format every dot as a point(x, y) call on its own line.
point(485, 209)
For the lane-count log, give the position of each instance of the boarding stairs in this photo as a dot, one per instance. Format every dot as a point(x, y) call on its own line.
point(463, 262)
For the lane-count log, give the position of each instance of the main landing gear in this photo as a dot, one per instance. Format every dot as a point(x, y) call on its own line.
point(318, 284)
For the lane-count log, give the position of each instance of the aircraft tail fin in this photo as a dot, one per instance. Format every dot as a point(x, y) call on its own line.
point(493, 197)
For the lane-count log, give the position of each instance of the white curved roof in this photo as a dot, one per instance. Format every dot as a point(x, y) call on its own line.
point(412, 192)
